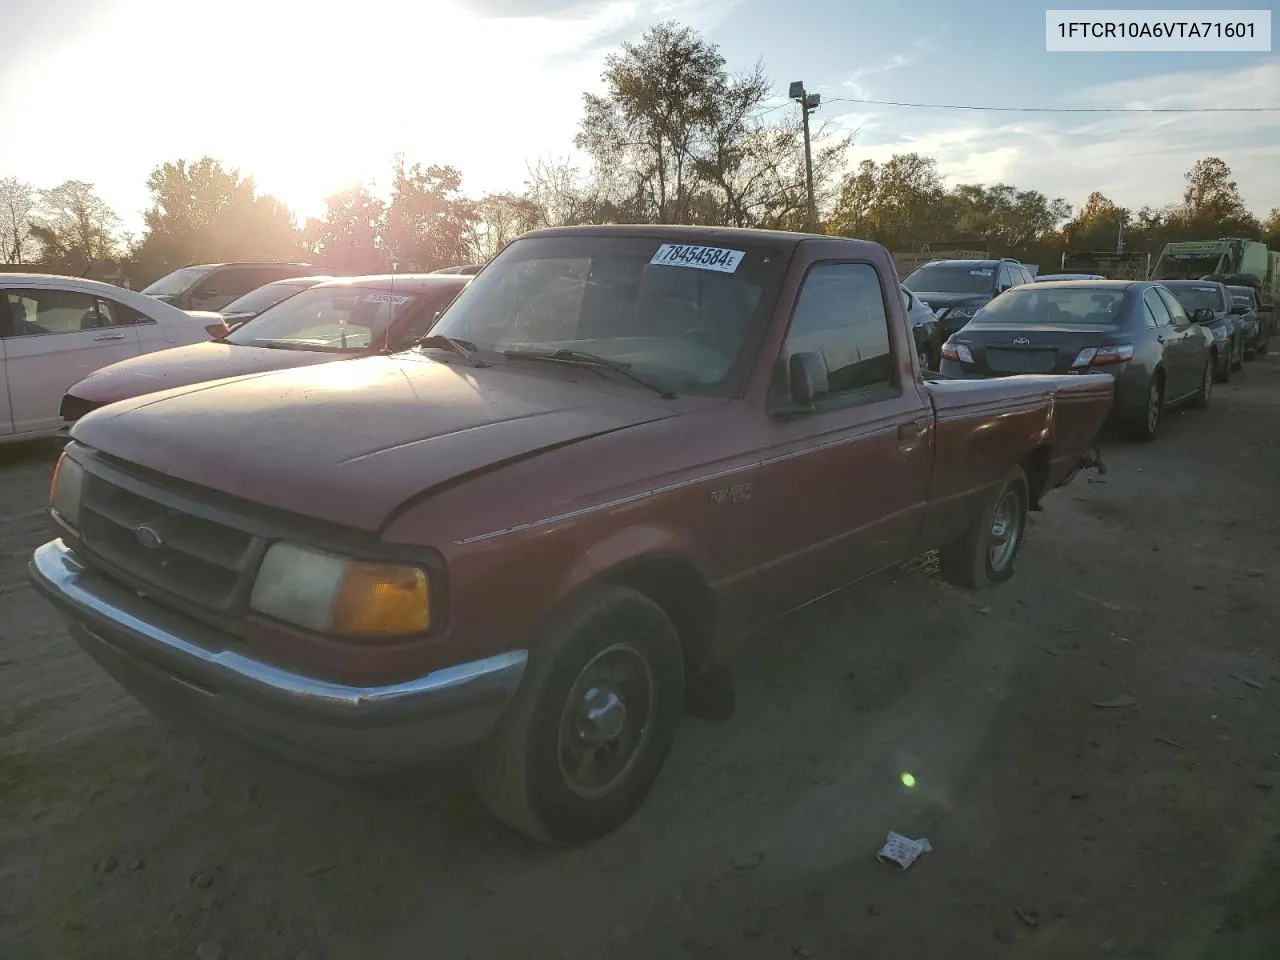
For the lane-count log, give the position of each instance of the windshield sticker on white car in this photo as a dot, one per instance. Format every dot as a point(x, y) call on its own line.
point(980, 273)
point(700, 258)
point(386, 298)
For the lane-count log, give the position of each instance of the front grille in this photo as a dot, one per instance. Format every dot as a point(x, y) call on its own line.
point(73, 407)
point(166, 548)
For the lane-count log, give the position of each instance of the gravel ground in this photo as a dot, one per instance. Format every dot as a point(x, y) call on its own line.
point(1095, 747)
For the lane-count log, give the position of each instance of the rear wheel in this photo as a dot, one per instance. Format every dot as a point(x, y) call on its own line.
point(1221, 369)
point(1146, 421)
point(986, 551)
point(1263, 345)
point(584, 739)
point(1205, 393)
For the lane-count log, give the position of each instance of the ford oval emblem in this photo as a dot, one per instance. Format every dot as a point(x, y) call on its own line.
point(1021, 342)
point(148, 537)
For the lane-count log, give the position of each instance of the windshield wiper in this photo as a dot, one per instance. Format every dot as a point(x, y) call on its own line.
point(462, 348)
point(582, 358)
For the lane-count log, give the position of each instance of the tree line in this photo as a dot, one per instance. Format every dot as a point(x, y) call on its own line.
point(675, 136)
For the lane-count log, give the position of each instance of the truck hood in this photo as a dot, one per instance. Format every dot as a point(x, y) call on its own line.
point(350, 442)
point(182, 366)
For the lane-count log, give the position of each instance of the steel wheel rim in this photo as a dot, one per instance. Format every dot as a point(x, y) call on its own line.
point(1006, 531)
point(605, 722)
point(1153, 406)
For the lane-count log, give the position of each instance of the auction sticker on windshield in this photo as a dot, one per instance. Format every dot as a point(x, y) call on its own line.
point(700, 258)
point(386, 298)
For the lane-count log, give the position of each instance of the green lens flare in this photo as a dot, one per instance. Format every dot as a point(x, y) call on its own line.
point(908, 781)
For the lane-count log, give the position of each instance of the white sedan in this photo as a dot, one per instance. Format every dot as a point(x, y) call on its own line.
point(55, 331)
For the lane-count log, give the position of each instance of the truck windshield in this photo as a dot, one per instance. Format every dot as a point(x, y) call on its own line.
point(1075, 304)
point(1187, 267)
point(1198, 296)
point(952, 278)
point(177, 283)
point(339, 319)
point(679, 315)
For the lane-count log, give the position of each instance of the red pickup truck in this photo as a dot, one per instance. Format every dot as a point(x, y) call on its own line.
point(620, 450)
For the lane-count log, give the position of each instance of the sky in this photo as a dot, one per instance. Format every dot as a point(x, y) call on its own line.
point(310, 97)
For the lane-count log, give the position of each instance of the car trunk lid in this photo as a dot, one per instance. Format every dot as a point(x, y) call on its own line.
point(1039, 348)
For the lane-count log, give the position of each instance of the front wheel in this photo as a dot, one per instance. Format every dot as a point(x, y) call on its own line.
point(986, 551)
point(1238, 355)
point(923, 357)
point(578, 749)
point(1222, 374)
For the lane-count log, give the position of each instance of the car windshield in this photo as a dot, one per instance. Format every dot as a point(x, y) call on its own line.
point(1241, 296)
point(177, 283)
point(338, 319)
point(675, 314)
point(952, 278)
point(1195, 297)
point(1074, 304)
point(256, 301)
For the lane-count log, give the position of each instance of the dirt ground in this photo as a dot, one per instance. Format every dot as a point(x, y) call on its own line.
point(1149, 828)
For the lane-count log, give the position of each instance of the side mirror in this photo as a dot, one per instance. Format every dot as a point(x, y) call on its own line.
point(807, 374)
point(1003, 287)
point(1238, 309)
point(1203, 315)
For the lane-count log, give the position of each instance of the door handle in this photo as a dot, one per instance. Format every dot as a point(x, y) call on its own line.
point(109, 336)
point(1159, 339)
point(912, 430)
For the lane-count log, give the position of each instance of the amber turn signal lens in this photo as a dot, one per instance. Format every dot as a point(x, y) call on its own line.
point(381, 600)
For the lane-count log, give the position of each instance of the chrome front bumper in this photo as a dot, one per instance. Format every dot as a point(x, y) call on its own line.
point(188, 671)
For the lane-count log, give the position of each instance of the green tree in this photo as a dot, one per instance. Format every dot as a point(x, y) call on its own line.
point(349, 239)
point(1271, 229)
point(898, 203)
point(500, 218)
point(17, 204)
point(1212, 205)
point(429, 222)
point(1097, 226)
point(74, 227)
point(204, 213)
point(677, 138)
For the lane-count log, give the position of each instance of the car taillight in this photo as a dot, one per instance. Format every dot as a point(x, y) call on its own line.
point(958, 351)
point(217, 330)
point(1101, 356)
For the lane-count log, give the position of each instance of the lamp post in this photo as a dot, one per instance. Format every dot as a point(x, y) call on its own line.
point(808, 103)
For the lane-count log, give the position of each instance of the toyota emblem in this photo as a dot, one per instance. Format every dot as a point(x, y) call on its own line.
point(148, 537)
point(1021, 342)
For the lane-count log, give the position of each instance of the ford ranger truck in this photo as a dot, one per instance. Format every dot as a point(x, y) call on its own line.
point(618, 453)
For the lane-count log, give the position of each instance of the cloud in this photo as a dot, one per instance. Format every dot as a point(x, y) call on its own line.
point(1136, 159)
point(920, 47)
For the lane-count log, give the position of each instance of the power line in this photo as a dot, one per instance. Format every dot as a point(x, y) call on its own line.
point(962, 106)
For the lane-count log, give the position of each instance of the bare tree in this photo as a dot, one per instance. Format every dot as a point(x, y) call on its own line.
point(17, 203)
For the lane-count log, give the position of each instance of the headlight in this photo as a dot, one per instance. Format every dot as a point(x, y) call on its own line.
point(332, 594)
point(65, 489)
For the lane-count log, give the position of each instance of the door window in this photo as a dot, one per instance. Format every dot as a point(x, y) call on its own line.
point(840, 316)
point(32, 313)
point(1156, 307)
point(1178, 315)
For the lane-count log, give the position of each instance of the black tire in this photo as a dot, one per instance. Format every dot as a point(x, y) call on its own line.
point(981, 556)
point(1238, 357)
point(520, 770)
point(1223, 374)
point(1202, 396)
point(1145, 421)
point(1263, 345)
point(922, 355)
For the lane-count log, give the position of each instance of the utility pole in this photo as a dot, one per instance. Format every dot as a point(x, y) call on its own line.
point(808, 103)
